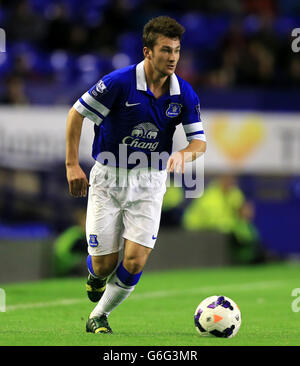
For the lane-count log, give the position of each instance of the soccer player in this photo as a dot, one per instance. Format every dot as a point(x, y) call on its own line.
point(135, 111)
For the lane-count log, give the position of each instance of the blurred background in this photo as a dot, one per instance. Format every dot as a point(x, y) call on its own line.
point(236, 54)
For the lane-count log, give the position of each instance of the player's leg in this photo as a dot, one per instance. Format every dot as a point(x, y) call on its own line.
point(103, 265)
point(99, 267)
point(141, 223)
point(123, 281)
point(103, 230)
point(135, 256)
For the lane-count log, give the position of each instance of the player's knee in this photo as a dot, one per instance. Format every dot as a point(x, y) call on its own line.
point(101, 271)
point(103, 266)
point(135, 257)
point(134, 265)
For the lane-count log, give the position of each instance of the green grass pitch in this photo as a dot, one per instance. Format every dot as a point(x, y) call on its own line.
point(159, 312)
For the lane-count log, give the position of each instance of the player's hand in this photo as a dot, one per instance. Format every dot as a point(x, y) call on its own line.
point(78, 183)
point(176, 162)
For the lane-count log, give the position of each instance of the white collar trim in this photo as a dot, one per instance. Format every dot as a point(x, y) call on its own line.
point(174, 85)
point(141, 83)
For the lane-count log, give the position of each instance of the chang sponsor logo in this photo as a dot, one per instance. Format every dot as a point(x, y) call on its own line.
point(143, 137)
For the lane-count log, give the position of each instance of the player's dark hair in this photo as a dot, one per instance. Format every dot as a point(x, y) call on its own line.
point(162, 25)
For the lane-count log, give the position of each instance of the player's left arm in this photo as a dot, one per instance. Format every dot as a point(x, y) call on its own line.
point(193, 128)
point(178, 159)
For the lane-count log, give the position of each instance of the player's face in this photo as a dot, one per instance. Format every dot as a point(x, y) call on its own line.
point(165, 55)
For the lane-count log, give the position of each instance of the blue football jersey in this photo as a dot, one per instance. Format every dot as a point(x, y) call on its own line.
point(126, 114)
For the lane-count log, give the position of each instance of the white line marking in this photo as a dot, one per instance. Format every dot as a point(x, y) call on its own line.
point(209, 290)
point(34, 305)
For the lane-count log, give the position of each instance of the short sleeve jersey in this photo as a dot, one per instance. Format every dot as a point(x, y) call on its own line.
point(126, 113)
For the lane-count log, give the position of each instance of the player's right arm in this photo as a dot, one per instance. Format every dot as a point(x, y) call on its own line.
point(95, 105)
point(76, 177)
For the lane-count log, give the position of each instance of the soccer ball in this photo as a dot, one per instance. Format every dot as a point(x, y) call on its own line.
point(218, 316)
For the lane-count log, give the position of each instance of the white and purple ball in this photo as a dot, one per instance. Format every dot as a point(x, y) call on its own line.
point(218, 316)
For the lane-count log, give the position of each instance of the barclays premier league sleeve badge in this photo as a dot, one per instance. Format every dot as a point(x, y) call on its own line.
point(173, 110)
point(101, 87)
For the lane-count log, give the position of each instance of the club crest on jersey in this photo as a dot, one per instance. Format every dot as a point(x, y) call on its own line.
point(173, 110)
point(93, 242)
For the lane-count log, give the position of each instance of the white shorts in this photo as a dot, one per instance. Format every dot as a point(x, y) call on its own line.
point(123, 204)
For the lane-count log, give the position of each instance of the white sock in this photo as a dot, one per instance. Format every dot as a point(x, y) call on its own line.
point(118, 288)
point(115, 293)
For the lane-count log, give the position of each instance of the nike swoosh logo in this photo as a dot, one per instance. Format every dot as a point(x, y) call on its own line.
point(154, 237)
point(131, 104)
